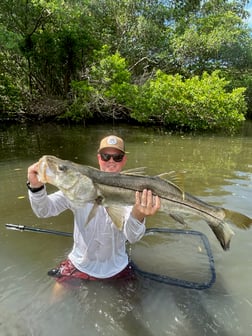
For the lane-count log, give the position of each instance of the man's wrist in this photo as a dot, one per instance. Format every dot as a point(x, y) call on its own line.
point(137, 216)
point(34, 189)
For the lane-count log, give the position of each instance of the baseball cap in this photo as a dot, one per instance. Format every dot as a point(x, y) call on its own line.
point(112, 141)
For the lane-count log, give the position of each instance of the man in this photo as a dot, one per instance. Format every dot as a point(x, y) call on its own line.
point(99, 247)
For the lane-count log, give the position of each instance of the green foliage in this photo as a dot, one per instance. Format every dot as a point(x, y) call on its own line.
point(137, 29)
point(245, 80)
point(54, 39)
point(10, 96)
point(195, 103)
point(111, 77)
point(109, 69)
point(107, 89)
point(80, 109)
point(210, 42)
point(47, 49)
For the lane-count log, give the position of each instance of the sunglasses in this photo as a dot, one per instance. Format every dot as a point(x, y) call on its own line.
point(116, 157)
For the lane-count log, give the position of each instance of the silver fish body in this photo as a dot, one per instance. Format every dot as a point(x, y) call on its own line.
point(83, 184)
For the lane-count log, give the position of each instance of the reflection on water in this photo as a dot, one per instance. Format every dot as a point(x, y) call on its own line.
point(214, 168)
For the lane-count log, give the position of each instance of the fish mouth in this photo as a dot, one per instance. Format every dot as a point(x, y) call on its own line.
point(45, 173)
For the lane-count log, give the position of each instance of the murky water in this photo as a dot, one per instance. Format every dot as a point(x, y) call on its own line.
point(217, 169)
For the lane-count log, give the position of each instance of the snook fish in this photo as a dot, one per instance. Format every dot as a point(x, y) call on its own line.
point(82, 184)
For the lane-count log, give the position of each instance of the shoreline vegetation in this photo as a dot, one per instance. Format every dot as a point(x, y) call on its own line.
point(168, 101)
point(183, 65)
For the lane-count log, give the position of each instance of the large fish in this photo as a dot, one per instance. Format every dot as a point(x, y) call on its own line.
point(82, 184)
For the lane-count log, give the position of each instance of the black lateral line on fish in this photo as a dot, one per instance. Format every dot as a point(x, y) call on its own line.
point(190, 206)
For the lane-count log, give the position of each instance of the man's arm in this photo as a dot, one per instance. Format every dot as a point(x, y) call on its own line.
point(44, 205)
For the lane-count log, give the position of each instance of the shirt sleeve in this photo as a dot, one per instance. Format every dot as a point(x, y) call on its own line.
point(133, 229)
point(44, 205)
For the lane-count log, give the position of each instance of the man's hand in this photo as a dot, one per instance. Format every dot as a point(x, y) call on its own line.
point(32, 176)
point(145, 205)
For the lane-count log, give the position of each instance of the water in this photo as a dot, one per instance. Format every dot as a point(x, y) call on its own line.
point(215, 168)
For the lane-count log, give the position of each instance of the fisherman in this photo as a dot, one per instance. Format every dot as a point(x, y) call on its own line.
point(99, 250)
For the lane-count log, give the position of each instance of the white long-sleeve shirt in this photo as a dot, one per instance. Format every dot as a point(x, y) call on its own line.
point(99, 247)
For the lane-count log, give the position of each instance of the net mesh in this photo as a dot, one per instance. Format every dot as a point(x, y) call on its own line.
point(176, 257)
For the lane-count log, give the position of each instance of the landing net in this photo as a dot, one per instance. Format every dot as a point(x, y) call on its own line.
point(175, 257)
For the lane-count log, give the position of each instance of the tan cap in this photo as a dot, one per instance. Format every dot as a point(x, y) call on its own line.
point(112, 141)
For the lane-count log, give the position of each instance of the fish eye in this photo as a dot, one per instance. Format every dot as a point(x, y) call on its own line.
point(62, 168)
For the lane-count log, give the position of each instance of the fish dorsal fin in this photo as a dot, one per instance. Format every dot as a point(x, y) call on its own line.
point(172, 176)
point(134, 171)
point(116, 213)
point(176, 179)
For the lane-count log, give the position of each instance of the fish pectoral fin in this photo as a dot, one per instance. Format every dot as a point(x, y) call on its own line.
point(178, 219)
point(116, 214)
point(238, 219)
point(91, 214)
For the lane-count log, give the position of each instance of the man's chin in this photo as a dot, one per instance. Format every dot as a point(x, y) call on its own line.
point(112, 170)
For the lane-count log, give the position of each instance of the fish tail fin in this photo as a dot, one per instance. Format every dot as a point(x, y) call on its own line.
point(238, 219)
point(223, 233)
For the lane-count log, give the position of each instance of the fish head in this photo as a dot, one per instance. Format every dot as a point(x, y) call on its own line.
point(56, 171)
point(66, 176)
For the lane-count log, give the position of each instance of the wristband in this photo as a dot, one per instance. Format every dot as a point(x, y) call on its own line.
point(34, 190)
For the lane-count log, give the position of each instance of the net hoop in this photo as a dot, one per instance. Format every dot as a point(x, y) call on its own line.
point(180, 282)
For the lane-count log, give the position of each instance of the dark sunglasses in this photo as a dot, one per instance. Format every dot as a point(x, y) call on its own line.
point(116, 157)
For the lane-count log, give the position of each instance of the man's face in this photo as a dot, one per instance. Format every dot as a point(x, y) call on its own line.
point(108, 164)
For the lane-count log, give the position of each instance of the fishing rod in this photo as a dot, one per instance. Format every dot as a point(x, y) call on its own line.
point(38, 230)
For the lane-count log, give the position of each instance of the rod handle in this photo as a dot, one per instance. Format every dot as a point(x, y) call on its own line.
point(15, 227)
